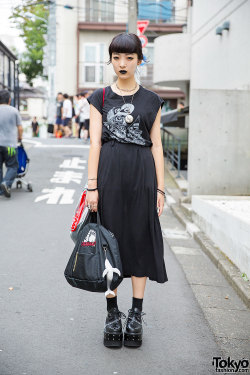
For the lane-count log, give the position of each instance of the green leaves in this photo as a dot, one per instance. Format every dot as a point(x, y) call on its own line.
point(32, 30)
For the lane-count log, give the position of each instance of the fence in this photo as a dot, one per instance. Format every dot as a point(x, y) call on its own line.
point(172, 149)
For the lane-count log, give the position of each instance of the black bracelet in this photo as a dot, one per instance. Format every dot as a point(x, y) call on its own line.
point(162, 192)
point(92, 189)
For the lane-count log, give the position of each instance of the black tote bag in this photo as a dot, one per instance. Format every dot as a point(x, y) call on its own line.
point(96, 252)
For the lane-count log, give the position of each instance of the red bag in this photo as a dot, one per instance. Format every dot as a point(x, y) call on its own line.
point(78, 211)
point(82, 211)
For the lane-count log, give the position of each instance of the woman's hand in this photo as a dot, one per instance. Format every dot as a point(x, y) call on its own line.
point(160, 203)
point(92, 200)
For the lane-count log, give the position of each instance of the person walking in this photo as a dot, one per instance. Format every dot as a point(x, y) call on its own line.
point(84, 109)
point(59, 113)
point(10, 129)
point(126, 181)
point(35, 127)
point(67, 115)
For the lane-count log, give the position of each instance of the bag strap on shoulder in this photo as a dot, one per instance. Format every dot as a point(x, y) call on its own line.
point(103, 94)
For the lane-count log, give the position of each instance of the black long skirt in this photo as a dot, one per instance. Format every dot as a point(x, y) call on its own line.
point(127, 188)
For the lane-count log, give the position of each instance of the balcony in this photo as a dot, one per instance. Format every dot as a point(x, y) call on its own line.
point(172, 60)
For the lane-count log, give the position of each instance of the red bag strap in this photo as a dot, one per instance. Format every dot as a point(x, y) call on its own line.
point(103, 94)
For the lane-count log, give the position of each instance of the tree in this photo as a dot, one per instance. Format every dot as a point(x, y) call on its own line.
point(33, 31)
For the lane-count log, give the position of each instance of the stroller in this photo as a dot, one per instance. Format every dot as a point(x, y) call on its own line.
point(23, 164)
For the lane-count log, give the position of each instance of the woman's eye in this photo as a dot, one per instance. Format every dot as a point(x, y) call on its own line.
point(115, 57)
point(130, 58)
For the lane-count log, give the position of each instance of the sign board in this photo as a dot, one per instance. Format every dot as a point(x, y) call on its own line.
point(142, 25)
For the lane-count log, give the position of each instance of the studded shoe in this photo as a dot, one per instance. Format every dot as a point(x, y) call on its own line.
point(113, 334)
point(133, 331)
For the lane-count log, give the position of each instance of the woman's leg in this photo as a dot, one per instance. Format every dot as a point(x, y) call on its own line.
point(133, 331)
point(138, 284)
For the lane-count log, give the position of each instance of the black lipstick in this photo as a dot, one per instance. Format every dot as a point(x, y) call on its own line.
point(123, 71)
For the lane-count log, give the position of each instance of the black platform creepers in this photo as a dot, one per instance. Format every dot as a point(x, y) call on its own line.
point(113, 334)
point(133, 330)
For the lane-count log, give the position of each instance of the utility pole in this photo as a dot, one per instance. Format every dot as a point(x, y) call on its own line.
point(132, 24)
point(52, 61)
point(132, 16)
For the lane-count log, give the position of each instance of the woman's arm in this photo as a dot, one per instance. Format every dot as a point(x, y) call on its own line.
point(157, 151)
point(95, 131)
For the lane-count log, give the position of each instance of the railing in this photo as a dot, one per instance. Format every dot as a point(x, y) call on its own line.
point(172, 149)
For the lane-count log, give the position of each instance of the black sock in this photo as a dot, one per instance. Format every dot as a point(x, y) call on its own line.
point(111, 302)
point(137, 302)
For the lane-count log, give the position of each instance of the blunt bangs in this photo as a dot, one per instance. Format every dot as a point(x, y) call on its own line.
point(126, 43)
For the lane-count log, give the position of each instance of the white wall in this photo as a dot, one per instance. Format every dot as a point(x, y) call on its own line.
point(226, 221)
point(66, 48)
point(220, 62)
point(36, 107)
point(219, 131)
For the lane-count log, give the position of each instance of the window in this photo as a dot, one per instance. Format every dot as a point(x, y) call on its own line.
point(99, 10)
point(92, 64)
point(156, 11)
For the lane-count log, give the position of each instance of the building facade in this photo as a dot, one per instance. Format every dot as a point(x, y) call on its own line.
point(210, 62)
point(9, 74)
point(82, 44)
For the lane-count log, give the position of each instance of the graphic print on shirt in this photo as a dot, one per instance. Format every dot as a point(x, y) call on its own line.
point(119, 129)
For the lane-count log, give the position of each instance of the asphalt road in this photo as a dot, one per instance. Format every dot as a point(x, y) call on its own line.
point(48, 327)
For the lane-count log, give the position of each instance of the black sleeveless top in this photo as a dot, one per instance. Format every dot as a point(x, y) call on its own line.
point(144, 108)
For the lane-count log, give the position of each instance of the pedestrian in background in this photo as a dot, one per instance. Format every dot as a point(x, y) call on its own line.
point(75, 130)
point(10, 131)
point(84, 115)
point(59, 113)
point(35, 127)
point(67, 115)
point(126, 181)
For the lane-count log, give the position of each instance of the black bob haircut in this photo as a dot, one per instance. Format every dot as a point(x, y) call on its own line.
point(125, 43)
point(4, 97)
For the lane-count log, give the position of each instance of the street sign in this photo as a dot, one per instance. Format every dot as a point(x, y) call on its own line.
point(142, 25)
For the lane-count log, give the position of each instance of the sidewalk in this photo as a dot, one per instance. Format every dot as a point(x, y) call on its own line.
point(226, 313)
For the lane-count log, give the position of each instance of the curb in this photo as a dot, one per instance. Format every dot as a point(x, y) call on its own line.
point(220, 260)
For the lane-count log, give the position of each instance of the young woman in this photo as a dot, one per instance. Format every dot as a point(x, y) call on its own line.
point(126, 181)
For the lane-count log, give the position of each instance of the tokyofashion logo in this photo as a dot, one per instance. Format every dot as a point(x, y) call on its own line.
point(231, 365)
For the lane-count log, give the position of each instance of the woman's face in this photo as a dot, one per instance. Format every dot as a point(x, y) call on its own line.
point(125, 62)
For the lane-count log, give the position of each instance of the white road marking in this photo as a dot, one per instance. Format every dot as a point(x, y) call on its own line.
point(192, 228)
point(53, 196)
point(186, 250)
point(175, 233)
point(65, 177)
point(170, 200)
point(73, 163)
point(62, 146)
point(36, 143)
